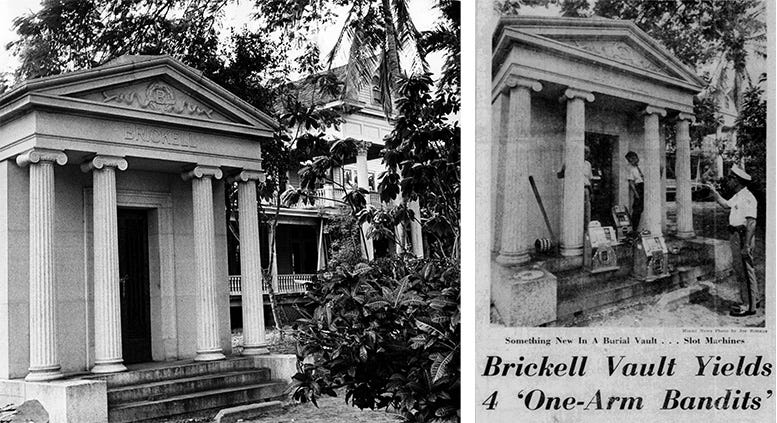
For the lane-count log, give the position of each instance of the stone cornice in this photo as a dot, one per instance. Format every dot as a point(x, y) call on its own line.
point(100, 162)
point(686, 116)
point(248, 175)
point(600, 86)
point(652, 110)
point(37, 155)
point(533, 30)
point(571, 93)
point(202, 172)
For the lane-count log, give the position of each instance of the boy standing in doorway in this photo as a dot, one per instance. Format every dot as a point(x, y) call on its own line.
point(637, 188)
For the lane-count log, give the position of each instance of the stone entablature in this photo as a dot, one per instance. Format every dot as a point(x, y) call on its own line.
point(599, 55)
point(145, 107)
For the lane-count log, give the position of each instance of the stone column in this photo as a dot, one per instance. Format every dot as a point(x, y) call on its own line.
point(44, 355)
point(416, 235)
point(208, 343)
point(572, 227)
point(513, 246)
point(254, 342)
point(363, 182)
point(682, 172)
point(321, 257)
point(399, 231)
point(651, 168)
point(329, 194)
point(107, 300)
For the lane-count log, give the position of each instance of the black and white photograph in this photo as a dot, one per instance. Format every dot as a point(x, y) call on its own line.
point(230, 210)
point(629, 167)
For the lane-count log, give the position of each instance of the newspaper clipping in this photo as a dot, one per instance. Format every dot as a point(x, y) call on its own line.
point(626, 257)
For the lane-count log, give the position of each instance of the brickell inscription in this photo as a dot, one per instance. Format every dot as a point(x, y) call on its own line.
point(159, 136)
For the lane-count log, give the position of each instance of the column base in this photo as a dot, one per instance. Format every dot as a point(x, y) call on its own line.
point(255, 350)
point(511, 259)
point(113, 366)
point(212, 355)
point(571, 251)
point(42, 374)
point(686, 234)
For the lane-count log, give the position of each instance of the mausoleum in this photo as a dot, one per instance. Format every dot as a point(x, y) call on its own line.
point(561, 85)
point(112, 227)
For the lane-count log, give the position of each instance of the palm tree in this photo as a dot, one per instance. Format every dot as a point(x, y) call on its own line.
point(747, 32)
point(378, 31)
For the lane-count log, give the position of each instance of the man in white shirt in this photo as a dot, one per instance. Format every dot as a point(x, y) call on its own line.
point(637, 188)
point(741, 220)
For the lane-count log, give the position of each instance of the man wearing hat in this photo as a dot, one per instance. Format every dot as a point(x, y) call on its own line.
point(741, 220)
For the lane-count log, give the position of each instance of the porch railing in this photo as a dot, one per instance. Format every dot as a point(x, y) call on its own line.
point(287, 283)
point(328, 198)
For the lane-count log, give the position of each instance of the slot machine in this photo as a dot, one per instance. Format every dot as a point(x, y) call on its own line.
point(620, 215)
point(598, 253)
point(651, 257)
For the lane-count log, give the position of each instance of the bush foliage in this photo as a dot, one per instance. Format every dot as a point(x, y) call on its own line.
point(388, 333)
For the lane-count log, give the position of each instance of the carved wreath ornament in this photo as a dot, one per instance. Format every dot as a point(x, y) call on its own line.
point(158, 97)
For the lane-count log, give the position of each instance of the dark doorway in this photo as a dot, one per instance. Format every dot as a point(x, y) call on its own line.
point(602, 185)
point(134, 285)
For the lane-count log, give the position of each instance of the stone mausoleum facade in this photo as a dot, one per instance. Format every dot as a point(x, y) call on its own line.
point(112, 234)
point(559, 85)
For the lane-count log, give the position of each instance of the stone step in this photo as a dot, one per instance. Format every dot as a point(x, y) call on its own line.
point(194, 402)
point(169, 388)
point(176, 370)
point(576, 299)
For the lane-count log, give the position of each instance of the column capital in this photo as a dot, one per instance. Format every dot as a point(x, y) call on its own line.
point(653, 110)
point(201, 172)
point(248, 175)
point(37, 155)
point(514, 81)
point(363, 146)
point(686, 116)
point(101, 162)
point(571, 93)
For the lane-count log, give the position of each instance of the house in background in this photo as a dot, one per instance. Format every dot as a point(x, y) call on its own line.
point(300, 250)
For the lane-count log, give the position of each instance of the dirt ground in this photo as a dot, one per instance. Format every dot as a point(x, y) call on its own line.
point(330, 410)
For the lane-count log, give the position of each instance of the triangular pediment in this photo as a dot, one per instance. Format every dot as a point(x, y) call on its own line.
point(620, 51)
point(158, 95)
point(618, 43)
point(155, 85)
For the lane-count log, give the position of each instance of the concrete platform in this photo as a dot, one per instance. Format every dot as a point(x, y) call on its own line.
point(579, 291)
point(157, 389)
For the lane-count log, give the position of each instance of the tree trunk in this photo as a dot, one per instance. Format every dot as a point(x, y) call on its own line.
point(391, 45)
point(271, 254)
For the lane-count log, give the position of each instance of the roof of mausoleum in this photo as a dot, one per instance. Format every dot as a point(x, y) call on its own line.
point(613, 45)
point(142, 86)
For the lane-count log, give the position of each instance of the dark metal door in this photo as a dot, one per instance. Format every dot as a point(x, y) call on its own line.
point(134, 286)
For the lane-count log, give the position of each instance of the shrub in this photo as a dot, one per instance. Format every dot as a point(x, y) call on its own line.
point(388, 333)
point(344, 247)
